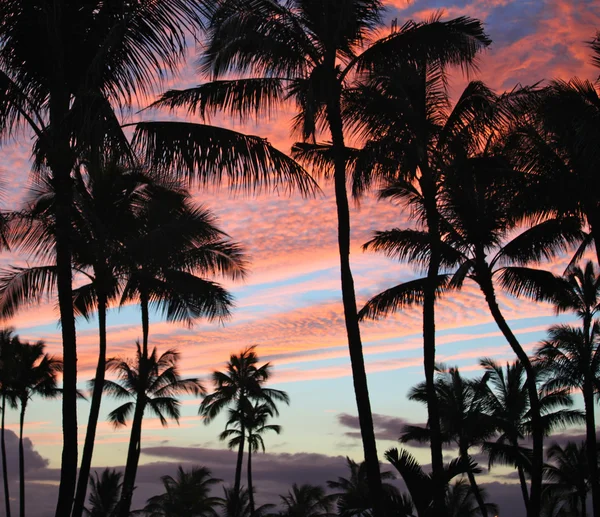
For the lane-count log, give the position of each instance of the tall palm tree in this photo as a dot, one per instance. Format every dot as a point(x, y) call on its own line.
point(509, 406)
point(9, 344)
point(35, 375)
point(462, 419)
point(253, 418)
point(105, 491)
point(240, 384)
point(571, 355)
point(309, 52)
point(306, 501)
point(153, 382)
point(124, 50)
point(568, 474)
point(187, 494)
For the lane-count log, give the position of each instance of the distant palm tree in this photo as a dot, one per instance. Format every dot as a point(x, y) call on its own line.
point(188, 494)
point(462, 501)
point(105, 491)
point(310, 52)
point(353, 494)
point(571, 355)
point(153, 382)
point(508, 403)
point(306, 501)
point(568, 476)
point(253, 417)
point(463, 419)
point(35, 375)
point(241, 383)
point(237, 504)
point(9, 344)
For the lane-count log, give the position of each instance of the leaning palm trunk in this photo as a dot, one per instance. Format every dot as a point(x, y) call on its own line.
point(537, 432)
point(591, 446)
point(429, 295)
point(133, 457)
point(4, 467)
point(250, 487)
point(90, 436)
point(22, 460)
point(359, 375)
point(474, 486)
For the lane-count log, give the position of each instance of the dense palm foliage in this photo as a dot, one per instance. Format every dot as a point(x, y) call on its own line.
point(105, 491)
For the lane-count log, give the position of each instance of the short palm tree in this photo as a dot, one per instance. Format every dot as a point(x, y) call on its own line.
point(463, 420)
point(507, 402)
point(568, 476)
point(241, 384)
point(237, 504)
point(35, 375)
point(310, 52)
point(187, 494)
point(353, 494)
point(105, 491)
point(153, 382)
point(462, 501)
point(571, 355)
point(306, 501)
point(253, 418)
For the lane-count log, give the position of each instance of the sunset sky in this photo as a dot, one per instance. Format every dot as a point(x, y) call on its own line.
point(289, 306)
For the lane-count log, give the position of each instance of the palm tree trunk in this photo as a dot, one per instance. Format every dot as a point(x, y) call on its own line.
point(22, 461)
point(4, 467)
point(145, 322)
point(429, 295)
point(537, 432)
point(594, 221)
point(133, 457)
point(591, 446)
point(90, 436)
point(523, 482)
point(474, 486)
point(240, 459)
point(359, 376)
point(250, 488)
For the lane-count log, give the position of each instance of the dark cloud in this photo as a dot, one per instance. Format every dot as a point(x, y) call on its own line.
point(386, 427)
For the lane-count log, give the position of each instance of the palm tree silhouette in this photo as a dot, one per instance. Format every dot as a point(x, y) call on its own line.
point(105, 491)
point(253, 418)
point(35, 374)
point(187, 494)
point(240, 384)
point(237, 504)
point(509, 407)
point(306, 501)
point(462, 419)
point(353, 494)
point(313, 64)
point(152, 381)
point(571, 355)
point(568, 476)
point(9, 344)
point(462, 500)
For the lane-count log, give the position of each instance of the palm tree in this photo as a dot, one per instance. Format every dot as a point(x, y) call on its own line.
point(463, 502)
point(569, 475)
point(152, 382)
point(571, 355)
point(241, 383)
point(253, 419)
point(419, 484)
point(462, 419)
point(187, 494)
point(306, 501)
point(124, 50)
point(105, 491)
point(509, 406)
point(309, 51)
point(35, 374)
point(353, 494)
point(237, 504)
point(8, 346)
